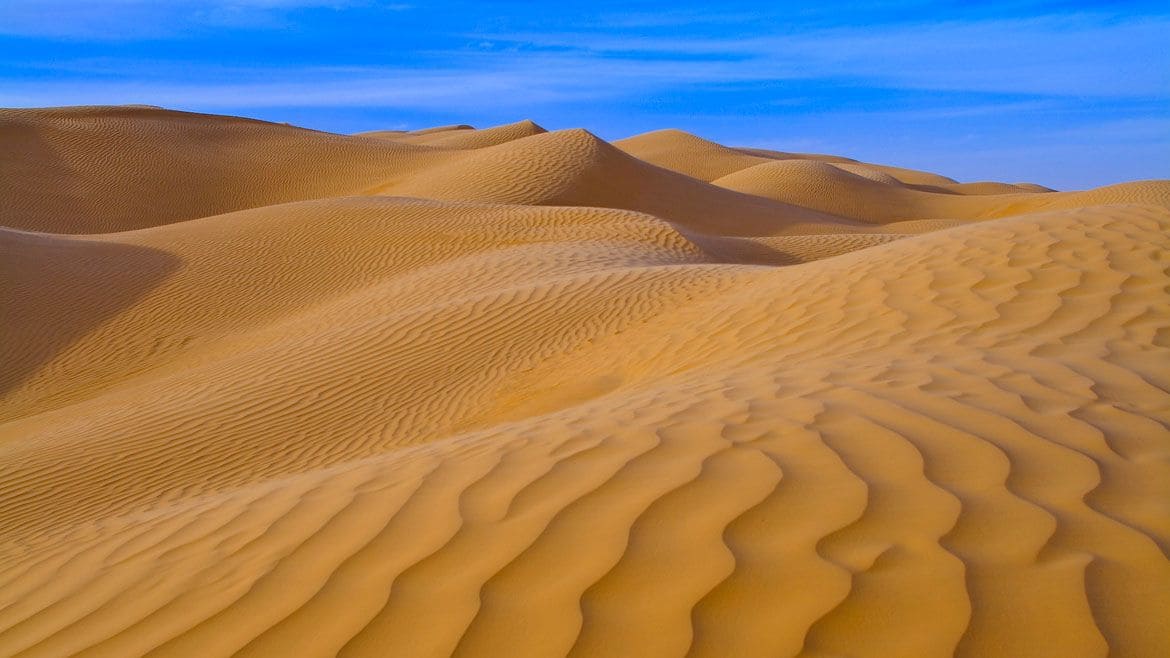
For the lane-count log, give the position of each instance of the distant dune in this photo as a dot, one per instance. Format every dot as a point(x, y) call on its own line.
point(510, 392)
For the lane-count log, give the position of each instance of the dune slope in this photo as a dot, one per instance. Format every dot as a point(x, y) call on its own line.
point(835, 190)
point(526, 394)
point(97, 170)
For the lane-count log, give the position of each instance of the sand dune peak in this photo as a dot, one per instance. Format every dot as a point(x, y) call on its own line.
point(271, 391)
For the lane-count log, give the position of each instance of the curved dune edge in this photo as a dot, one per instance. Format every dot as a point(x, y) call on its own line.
point(532, 394)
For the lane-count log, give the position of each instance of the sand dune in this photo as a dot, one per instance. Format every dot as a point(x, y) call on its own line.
point(689, 154)
point(576, 168)
point(832, 189)
point(461, 136)
point(703, 159)
point(95, 170)
point(509, 392)
point(470, 139)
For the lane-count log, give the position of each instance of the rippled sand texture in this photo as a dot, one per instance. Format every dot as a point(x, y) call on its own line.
point(510, 392)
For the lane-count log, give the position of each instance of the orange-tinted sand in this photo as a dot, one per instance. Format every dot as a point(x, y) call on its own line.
point(509, 392)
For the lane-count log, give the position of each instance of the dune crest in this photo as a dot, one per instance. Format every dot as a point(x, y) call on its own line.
point(527, 393)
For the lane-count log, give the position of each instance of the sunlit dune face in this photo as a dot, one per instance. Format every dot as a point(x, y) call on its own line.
point(517, 392)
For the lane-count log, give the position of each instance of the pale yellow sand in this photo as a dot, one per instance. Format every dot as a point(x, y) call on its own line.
point(276, 392)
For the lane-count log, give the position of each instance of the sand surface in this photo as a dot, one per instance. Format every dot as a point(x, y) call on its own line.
point(510, 392)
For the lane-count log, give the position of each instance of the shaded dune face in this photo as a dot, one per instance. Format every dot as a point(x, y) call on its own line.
point(269, 391)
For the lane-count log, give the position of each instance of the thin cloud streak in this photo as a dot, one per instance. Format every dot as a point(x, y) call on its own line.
point(937, 77)
point(123, 20)
point(1039, 56)
point(404, 89)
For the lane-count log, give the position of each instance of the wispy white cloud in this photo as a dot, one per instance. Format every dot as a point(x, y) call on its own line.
point(1078, 55)
point(404, 89)
point(1035, 58)
point(817, 85)
point(1081, 55)
point(117, 20)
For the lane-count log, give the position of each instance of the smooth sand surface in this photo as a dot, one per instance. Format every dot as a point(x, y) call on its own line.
point(508, 392)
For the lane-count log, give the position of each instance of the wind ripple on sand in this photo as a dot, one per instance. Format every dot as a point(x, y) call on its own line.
point(510, 420)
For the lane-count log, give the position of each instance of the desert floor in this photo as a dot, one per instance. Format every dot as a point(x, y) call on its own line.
point(509, 392)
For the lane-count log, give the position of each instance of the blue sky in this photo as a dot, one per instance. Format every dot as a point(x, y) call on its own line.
point(1067, 94)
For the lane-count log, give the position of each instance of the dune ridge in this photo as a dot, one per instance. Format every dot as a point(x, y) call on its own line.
point(517, 392)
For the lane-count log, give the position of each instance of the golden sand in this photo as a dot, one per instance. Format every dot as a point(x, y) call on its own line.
point(509, 392)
